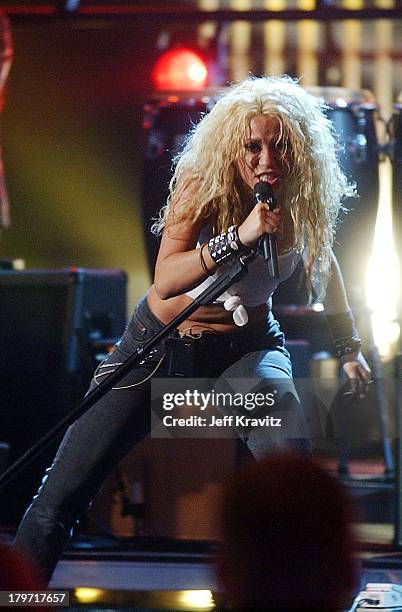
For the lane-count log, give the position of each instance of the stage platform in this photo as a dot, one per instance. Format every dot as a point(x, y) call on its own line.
point(144, 573)
point(145, 564)
point(147, 573)
point(151, 573)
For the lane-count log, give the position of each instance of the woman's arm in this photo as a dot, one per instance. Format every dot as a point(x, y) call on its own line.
point(178, 267)
point(335, 299)
point(336, 302)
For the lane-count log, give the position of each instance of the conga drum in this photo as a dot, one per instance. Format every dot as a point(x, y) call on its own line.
point(354, 115)
point(167, 121)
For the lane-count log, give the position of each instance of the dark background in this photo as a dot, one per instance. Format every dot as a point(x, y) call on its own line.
point(72, 144)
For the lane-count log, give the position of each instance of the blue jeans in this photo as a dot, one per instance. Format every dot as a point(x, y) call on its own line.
point(102, 436)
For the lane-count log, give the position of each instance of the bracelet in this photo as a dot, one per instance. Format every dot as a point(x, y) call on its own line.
point(344, 346)
point(226, 247)
point(202, 261)
point(344, 333)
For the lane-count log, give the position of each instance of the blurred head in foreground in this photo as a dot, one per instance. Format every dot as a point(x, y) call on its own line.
point(287, 542)
point(17, 573)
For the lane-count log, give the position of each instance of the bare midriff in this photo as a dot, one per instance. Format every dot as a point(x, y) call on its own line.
point(213, 317)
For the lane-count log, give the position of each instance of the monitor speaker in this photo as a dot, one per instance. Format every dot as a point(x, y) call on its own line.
point(53, 325)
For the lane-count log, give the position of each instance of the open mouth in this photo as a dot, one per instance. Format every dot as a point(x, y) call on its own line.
point(269, 177)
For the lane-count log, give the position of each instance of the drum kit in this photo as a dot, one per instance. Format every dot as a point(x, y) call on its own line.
point(366, 141)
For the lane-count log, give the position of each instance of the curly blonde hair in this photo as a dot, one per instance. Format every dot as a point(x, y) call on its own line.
point(312, 193)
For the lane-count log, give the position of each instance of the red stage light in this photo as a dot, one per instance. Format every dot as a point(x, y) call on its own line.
point(179, 69)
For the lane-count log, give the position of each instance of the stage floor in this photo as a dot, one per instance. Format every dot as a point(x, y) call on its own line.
point(148, 573)
point(151, 574)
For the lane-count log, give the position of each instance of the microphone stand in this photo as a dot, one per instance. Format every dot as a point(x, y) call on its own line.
point(221, 284)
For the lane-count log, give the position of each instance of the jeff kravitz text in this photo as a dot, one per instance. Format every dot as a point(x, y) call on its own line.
point(226, 421)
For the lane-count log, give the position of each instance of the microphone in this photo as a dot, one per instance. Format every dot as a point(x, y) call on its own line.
point(263, 193)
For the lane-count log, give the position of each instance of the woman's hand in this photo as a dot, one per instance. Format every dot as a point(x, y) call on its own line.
point(358, 372)
point(260, 221)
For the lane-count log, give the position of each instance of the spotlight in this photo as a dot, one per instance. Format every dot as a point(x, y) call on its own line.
point(180, 70)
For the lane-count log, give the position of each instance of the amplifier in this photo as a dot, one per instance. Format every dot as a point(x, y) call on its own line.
point(52, 324)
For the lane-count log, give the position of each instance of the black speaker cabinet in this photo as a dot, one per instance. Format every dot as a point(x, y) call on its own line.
point(52, 325)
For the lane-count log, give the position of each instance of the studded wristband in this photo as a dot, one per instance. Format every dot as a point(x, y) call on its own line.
point(344, 346)
point(344, 333)
point(226, 247)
